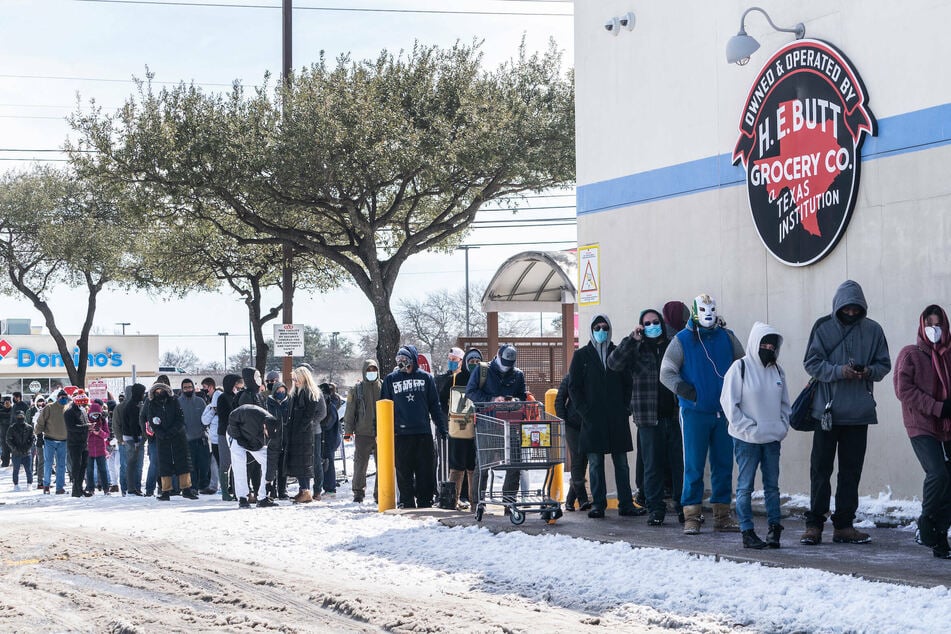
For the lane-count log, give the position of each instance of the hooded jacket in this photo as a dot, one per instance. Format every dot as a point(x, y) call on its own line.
point(20, 437)
point(251, 394)
point(360, 417)
point(209, 417)
point(650, 399)
point(250, 426)
point(415, 400)
point(695, 363)
point(600, 396)
point(755, 398)
point(862, 343)
point(226, 402)
point(192, 408)
point(131, 412)
point(497, 383)
point(171, 419)
point(916, 383)
point(98, 440)
point(449, 379)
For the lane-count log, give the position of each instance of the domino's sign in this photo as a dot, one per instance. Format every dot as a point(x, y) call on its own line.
point(27, 358)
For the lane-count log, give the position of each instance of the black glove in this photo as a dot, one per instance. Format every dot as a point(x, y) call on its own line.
point(442, 433)
point(946, 409)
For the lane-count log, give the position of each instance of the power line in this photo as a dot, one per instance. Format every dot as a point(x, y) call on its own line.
point(108, 79)
point(519, 244)
point(174, 3)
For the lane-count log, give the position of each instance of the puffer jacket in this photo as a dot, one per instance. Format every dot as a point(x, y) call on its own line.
point(250, 426)
point(20, 438)
point(171, 419)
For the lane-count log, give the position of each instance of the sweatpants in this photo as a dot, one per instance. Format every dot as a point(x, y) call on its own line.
point(415, 470)
point(239, 465)
point(706, 434)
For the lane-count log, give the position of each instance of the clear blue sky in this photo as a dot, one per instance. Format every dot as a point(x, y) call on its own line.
point(55, 51)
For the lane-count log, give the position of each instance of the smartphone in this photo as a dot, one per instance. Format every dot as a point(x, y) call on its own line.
point(858, 368)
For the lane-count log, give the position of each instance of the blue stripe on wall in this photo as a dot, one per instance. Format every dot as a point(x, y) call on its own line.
point(909, 132)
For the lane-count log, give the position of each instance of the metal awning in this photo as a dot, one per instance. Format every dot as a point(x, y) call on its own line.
point(533, 282)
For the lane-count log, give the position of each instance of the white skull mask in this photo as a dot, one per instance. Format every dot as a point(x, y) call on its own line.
point(705, 311)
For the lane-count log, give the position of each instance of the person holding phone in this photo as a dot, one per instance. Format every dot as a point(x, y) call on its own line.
point(847, 354)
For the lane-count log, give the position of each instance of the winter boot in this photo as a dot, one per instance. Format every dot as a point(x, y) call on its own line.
point(166, 485)
point(723, 522)
point(692, 519)
point(849, 535)
point(166, 496)
point(752, 540)
point(941, 548)
point(927, 531)
point(303, 497)
point(185, 482)
point(243, 503)
point(266, 502)
point(812, 536)
point(772, 537)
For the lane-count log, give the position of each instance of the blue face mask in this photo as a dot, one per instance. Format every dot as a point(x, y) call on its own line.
point(62, 401)
point(653, 331)
point(601, 336)
point(280, 395)
point(453, 366)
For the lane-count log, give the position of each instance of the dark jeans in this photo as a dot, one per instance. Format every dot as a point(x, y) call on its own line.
point(78, 455)
point(201, 462)
point(622, 480)
point(151, 477)
point(579, 469)
point(99, 462)
point(849, 441)
point(415, 470)
point(318, 462)
point(662, 449)
point(27, 462)
point(4, 447)
point(935, 459)
point(331, 439)
point(133, 468)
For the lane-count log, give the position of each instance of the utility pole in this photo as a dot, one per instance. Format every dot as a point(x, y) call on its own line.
point(466, 247)
point(287, 274)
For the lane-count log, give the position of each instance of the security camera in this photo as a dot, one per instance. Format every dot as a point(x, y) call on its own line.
point(613, 26)
point(627, 20)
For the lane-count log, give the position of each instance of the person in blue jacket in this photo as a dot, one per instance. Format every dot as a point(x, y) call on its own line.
point(693, 368)
point(415, 401)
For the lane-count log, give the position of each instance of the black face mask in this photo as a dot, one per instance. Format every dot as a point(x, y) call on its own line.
point(848, 320)
point(768, 357)
point(161, 396)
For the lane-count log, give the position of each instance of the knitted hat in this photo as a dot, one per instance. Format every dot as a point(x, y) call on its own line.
point(81, 398)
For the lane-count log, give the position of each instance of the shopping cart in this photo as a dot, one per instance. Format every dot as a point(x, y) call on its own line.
point(518, 436)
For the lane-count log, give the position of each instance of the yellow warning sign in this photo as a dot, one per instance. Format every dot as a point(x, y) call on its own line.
point(589, 274)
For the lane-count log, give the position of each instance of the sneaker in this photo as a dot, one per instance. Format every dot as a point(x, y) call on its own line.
point(189, 493)
point(850, 536)
point(208, 491)
point(114, 488)
point(812, 536)
point(265, 502)
point(243, 503)
point(752, 540)
point(166, 496)
point(596, 514)
point(16, 487)
point(635, 511)
point(252, 498)
point(59, 491)
point(656, 519)
point(358, 499)
point(586, 506)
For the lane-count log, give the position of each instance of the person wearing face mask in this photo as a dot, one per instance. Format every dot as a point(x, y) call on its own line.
point(501, 381)
point(278, 406)
point(270, 379)
point(655, 410)
point(77, 437)
point(231, 383)
point(51, 424)
point(693, 368)
point(6, 419)
point(846, 354)
point(415, 402)
point(601, 396)
point(193, 407)
point(359, 423)
point(462, 457)
point(756, 402)
point(164, 416)
point(923, 385)
point(32, 415)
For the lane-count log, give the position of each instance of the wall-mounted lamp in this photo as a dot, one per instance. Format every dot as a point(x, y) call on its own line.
point(741, 45)
point(614, 25)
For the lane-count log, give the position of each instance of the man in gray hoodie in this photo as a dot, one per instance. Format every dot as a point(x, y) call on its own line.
point(847, 354)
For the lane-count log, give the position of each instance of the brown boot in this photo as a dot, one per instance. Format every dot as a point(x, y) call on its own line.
point(723, 521)
point(812, 536)
point(303, 497)
point(849, 535)
point(692, 519)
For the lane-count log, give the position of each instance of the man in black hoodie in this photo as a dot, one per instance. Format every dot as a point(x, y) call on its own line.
point(252, 394)
point(230, 384)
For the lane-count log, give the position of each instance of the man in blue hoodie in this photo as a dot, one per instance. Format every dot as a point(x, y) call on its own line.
point(415, 401)
point(693, 368)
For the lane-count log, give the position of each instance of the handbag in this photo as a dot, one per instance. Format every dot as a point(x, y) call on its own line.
point(801, 418)
point(461, 415)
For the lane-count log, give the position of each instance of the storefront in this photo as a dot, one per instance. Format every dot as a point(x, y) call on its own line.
point(686, 184)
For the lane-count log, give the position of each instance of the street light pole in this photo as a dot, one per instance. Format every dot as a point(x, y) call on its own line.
point(333, 355)
point(224, 337)
point(123, 324)
point(466, 247)
point(287, 274)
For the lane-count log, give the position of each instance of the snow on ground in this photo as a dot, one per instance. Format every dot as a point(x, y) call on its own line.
point(404, 573)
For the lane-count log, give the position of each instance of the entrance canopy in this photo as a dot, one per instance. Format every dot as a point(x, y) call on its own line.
point(532, 282)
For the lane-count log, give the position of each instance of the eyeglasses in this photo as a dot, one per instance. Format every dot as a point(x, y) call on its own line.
point(655, 322)
point(601, 327)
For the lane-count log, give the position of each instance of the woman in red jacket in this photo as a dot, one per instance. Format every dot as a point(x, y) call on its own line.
point(923, 385)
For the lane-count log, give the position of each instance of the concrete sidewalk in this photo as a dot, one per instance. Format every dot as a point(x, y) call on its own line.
point(893, 556)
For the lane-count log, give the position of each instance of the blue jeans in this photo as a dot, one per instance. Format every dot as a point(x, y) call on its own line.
point(134, 453)
point(706, 433)
point(100, 463)
point(622, 480)
point(151, 478)
point(54, 449)
point(27, 462)
point(748, 457)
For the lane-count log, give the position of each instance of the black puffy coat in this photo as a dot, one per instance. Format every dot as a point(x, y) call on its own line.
point(20, 438)
point(168, 411)
point(299, 435)
point(601, 398)
point(250, 426)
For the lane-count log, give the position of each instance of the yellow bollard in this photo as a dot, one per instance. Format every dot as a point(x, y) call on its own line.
point(558, 471)
point(385, 456)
